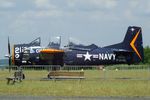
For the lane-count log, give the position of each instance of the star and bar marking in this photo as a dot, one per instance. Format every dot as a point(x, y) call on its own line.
point(100, 56)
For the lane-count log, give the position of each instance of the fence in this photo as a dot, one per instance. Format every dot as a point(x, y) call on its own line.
point(123, 72)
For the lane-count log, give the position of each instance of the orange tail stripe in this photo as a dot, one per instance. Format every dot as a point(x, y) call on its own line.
point(133, 46)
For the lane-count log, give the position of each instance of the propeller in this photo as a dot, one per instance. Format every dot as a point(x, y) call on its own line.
point(9, 54)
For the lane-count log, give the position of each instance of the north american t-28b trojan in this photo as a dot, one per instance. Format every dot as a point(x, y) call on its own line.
point(129, 51)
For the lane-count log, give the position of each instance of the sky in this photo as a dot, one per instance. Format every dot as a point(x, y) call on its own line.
point(102, 22)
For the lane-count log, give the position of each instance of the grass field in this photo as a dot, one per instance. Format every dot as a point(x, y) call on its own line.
point(97, 83)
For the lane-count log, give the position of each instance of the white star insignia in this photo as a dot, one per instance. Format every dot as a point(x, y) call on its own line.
point(87, 56)
point(132, 29)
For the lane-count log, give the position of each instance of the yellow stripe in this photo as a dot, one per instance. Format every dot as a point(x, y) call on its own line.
point(52, 51)
point(13, 58)
point(133, 46)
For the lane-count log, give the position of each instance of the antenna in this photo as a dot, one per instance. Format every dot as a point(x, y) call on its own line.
point(59, 41)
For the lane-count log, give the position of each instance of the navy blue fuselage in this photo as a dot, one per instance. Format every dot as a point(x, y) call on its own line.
point(129, 51)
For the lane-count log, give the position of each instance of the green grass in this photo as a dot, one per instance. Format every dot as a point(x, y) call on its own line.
point(78, 88)
point(97, 83)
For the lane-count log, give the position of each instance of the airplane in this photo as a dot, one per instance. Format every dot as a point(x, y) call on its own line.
point(129, 51)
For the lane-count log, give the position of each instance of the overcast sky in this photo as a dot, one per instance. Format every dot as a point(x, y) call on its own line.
point(102, 22)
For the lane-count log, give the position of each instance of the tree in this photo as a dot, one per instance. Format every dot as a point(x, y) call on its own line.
point(147, 55)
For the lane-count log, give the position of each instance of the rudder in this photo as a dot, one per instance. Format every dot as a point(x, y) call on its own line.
point(133, 42)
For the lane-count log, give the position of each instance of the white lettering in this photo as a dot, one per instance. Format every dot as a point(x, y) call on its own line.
point(101, 56)
point(17, 55)
point(110, 56)
point(114, 56)
point(20, 49)
point(37, 50)
point(25, 50)
point(105, 57)
point(16, 50)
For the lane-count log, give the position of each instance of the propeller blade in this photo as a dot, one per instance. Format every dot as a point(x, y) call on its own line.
point(8, 46)
point(9, 54)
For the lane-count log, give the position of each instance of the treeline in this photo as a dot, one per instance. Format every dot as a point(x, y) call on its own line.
point(147, 55)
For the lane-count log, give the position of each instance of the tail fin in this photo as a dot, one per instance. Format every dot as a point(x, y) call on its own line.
point(133, 42)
